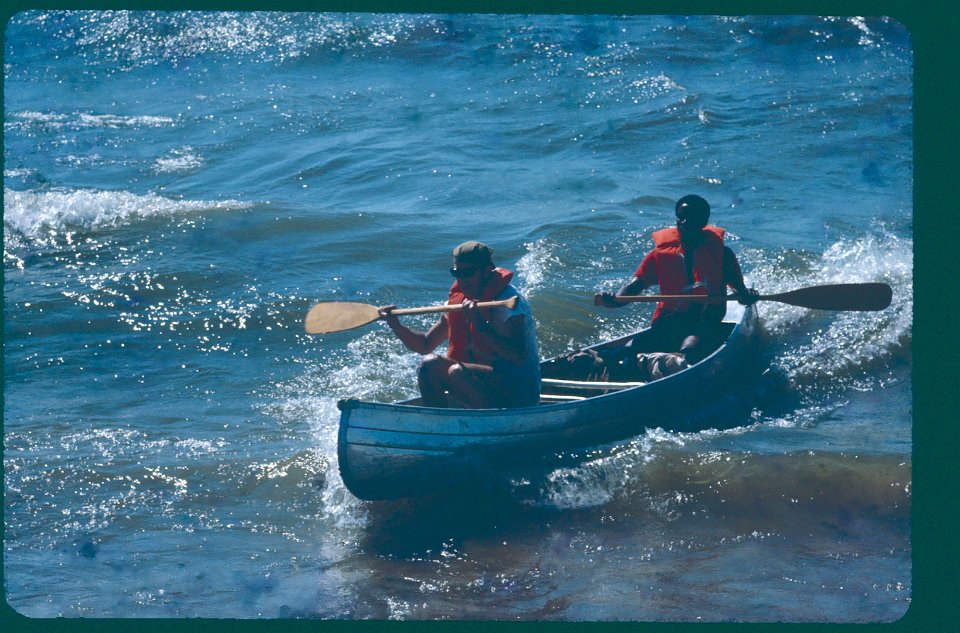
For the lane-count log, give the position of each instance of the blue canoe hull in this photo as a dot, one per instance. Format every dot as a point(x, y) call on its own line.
point(389, 451)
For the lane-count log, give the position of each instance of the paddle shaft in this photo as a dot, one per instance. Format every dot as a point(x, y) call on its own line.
point(509, 303)
point(658, 298)
point(854, 297)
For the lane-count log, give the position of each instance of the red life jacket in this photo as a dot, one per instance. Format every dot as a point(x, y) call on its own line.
point(464, 343)
point(672, 273)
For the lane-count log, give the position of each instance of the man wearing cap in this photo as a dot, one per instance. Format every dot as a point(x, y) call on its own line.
point(688, 259)
point(492, 358)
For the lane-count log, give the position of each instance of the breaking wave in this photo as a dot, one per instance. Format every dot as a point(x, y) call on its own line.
point(32, 217)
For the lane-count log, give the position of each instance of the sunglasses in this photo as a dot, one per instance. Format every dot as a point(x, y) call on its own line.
point(460, 273)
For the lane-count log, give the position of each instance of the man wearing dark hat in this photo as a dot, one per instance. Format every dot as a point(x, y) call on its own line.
point(688, 259)
point(492, 358)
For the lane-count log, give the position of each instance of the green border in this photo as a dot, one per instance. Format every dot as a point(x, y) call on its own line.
point(933, 28)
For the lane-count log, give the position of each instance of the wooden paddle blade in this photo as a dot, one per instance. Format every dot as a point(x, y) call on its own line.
point(856, 297)
point(336, 316)
point(328, 317)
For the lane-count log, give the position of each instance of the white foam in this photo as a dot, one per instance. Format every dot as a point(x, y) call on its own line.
point(84, 120)
point(880, 257)
point(575, 488)
point(847, 341)
point(310, 400)
point(183, 159)
point(533, 267)
point(34, 214)
point(17, 173)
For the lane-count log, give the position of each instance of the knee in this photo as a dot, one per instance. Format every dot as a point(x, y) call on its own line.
point(456, 370)
point(692, 349)
point(689, 343)
point(429, 365)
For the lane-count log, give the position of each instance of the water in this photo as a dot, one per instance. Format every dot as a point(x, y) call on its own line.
point(180, 188)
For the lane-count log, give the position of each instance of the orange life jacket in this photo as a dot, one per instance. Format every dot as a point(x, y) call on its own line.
point(465, 343)
point(672, 273)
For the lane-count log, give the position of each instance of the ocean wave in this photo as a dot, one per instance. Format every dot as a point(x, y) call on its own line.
point(672, 481)
point(82, 120)
point(835, 348)
point(117, 41)
point(32, 217)
point(120, 41)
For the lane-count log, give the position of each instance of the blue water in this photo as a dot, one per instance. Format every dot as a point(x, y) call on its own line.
point(180, 188)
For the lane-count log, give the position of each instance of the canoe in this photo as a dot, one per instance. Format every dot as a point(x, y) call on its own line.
point(404, 449)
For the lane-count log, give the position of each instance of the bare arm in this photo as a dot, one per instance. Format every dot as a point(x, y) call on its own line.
point(731, 271)
point(734, 278)
point(419, 342)
point(605, 299)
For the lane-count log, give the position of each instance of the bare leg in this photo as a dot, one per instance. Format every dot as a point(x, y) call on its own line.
point(466, 381)
point(438, 375)
point(431, 378)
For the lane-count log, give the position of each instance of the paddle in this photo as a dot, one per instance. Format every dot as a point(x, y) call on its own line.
point(856, 297)
point(335, 316)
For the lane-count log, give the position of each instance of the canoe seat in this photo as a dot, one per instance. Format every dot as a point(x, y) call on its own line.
point(590, 385)
point(549, 397)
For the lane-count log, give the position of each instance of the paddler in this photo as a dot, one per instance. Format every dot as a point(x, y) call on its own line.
point(492, 358)
point(690, 258)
